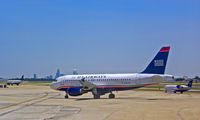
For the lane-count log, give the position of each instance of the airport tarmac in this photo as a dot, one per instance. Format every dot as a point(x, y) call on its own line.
point(35, 102)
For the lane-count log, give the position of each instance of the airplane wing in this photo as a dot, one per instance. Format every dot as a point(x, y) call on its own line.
point(87, 85)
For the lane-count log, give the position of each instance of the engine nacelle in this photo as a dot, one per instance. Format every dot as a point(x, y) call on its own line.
point(74, 91)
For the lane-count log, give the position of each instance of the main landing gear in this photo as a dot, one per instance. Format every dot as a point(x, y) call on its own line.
point(66, 95)
point(180, 92)
point(96, 96)
point(111, 95)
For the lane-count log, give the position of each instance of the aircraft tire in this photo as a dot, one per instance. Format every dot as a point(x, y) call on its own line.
point(111, 96)
point(181, 92)
point(174, 91)
point(66, 96)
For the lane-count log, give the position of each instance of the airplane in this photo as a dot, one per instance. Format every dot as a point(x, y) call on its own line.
point(17, 82)
point(179, 88)
point(100, 84)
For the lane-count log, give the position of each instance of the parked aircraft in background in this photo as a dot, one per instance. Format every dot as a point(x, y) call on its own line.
point(100, 84)
point(179, 88)
point(17, 82)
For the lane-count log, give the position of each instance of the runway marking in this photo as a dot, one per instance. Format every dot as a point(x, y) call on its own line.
point(179, 113)
point(12, 105)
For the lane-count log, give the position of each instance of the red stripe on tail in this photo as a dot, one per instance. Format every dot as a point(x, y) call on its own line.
point(165, 48)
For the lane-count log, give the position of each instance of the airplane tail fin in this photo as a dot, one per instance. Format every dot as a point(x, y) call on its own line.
point(22, 78)
point(158, 64)
point(190, 83)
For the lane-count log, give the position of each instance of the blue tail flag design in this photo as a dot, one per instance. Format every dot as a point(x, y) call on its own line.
point(22, 78)
point(190, 83)
point(158, 64)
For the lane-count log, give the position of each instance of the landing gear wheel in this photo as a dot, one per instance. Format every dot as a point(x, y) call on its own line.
point(165, 91)
point(66, 96)
point(174, 91)
point(96, 96)
point(181, 92)
point(111, 96)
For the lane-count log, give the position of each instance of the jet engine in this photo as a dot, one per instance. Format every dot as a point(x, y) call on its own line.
point(75, 91)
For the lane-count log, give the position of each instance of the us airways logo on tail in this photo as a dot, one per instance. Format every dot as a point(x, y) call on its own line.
point(158, 62)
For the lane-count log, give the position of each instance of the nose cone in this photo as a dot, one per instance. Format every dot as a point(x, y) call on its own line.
point(53, 86)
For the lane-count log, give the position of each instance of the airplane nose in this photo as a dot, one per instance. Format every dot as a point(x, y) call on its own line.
point(53, 85)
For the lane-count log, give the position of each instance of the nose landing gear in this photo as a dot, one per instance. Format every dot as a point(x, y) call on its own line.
point(66, 95)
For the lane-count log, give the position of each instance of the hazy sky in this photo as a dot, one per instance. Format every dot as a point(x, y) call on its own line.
point(97, 36)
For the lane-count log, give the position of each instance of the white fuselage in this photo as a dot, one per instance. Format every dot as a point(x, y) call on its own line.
point(134, 80)
point(10, 82)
